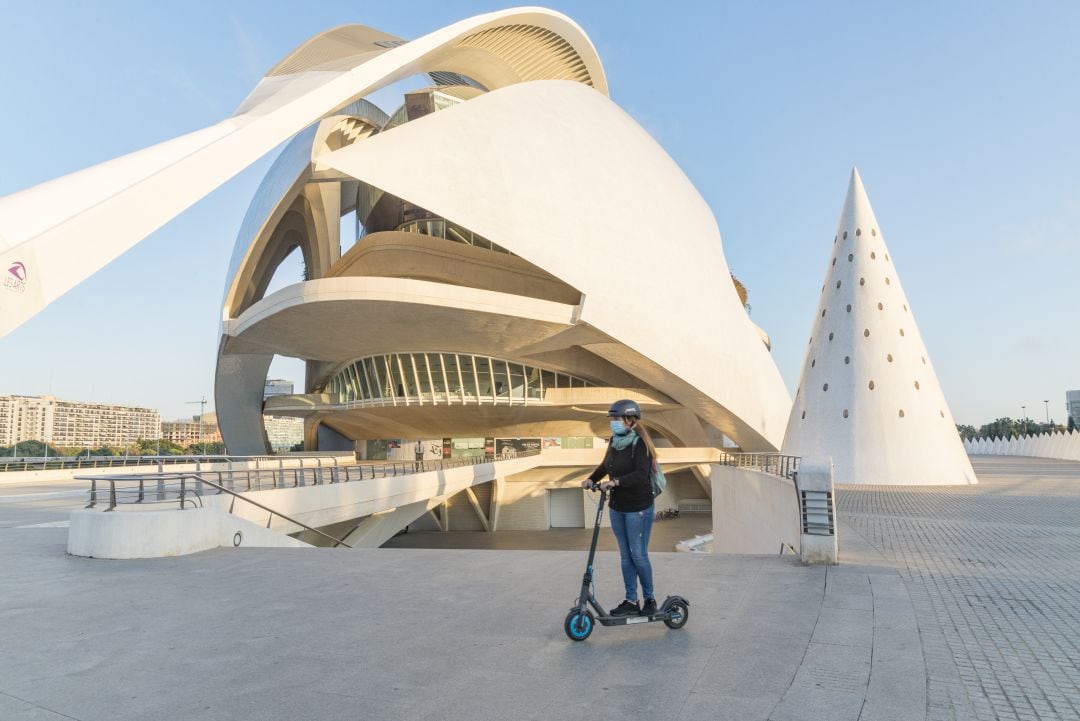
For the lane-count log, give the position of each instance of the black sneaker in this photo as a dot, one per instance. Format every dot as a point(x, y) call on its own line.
point(649, 608)
point(626, 608)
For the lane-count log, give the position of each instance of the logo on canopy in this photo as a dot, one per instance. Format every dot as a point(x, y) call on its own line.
point(16, 278)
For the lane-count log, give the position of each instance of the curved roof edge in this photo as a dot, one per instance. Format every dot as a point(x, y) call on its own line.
point(120, 202)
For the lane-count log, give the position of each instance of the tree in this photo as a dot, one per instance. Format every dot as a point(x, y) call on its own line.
point(1072, 424)
point(1001, 428)
point(212, 449)
point(30, 449)
point(966, 432)
point(157, 447)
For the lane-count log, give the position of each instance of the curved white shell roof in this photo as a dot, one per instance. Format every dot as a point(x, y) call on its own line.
point(561, 176)
point(120, 202)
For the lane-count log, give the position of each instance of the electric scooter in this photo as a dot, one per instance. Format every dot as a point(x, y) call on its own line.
point(579, 623)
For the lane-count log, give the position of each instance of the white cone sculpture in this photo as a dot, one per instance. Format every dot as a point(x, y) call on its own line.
point(868, 396)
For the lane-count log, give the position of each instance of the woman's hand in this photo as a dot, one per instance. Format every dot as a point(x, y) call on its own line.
point(587, 484)
point(607, 485)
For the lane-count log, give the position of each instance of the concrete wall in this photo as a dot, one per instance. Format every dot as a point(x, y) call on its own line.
point(524, 506)
point(753, 512)
point(157, 534)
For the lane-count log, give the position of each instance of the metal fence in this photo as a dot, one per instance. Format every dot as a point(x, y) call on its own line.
point(776, 464)
point(187, 489)
point(57, 463)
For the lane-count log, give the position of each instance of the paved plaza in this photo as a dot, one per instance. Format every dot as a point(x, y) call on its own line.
point(951, 603)
point(994, 574)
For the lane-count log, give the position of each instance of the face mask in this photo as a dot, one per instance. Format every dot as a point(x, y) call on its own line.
point(618, 428)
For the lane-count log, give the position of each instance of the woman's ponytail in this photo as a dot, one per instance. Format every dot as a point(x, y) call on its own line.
point(643, 433)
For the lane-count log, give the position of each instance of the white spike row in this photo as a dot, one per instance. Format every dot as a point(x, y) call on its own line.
point(1063, 445)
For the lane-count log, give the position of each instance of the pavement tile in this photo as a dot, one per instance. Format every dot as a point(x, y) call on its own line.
point(815, 704)
point(845, 627)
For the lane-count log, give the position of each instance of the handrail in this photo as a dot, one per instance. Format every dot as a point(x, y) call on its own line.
point(54, 463)
point(164, 483)
point(162, 490)
point(777, 464)
point(278, 476)
point(271, 511)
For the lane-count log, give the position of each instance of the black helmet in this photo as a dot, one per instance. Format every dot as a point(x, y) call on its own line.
point(624, 407)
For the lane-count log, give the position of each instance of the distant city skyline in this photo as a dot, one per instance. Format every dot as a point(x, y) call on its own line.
point(958, 116)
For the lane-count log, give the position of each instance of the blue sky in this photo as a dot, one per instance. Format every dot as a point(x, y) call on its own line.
point(961, 117)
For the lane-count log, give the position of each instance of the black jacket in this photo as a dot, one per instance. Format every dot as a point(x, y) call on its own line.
point(632, 467)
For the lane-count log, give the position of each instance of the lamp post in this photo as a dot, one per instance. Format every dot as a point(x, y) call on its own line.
point(1047, 404)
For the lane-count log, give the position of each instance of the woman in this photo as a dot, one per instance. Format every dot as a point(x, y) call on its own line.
point(628, 467)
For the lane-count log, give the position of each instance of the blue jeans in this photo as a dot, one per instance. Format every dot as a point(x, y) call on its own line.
point(632, 532)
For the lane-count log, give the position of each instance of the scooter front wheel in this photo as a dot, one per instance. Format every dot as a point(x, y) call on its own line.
point(578, 624)
point(680, 614)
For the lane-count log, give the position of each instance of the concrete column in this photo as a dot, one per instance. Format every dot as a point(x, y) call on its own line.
point(817, 506)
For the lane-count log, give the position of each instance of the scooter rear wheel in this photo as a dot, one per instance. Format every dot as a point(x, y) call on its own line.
point(578, 625)
point(680, 614)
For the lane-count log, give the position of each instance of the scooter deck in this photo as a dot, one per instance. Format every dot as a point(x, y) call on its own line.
point(627, 620)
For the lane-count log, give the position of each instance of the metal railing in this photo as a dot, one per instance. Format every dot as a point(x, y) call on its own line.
point(178, 487)
point(776, 464)
point(78, 462)
point(184, 488)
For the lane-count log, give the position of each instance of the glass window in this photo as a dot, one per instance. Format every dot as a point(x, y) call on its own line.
point(354, 380)
point(396, 119)
point(517, 381)
point(456, 233)
point(533, 383)
point(502, 380)
point(397, 374)
point(370, 386)
point(412, 377)
point(420, 363)
point(438, 379)
point(347, 384)
point(483, 376)
point(454, 382)
point(371, 367)
point(468, 376)
point(548, 379)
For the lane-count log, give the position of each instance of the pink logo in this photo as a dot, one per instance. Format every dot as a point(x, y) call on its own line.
point(17, 280)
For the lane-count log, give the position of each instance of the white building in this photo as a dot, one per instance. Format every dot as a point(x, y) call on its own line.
point(277, 387)
point(70, 424)
point(187, 431)
point(283, 433)
point(524, 253)
point(1072, 407)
